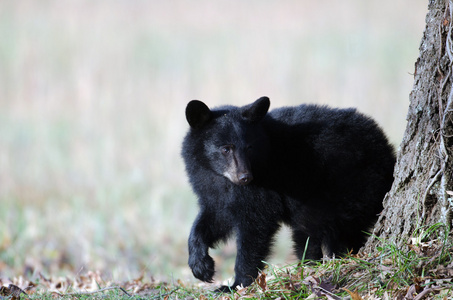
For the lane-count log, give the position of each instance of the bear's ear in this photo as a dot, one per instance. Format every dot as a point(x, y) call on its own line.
point(197, 113)
point(257, 110)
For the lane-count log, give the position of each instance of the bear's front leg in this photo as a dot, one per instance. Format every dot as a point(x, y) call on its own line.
point(206, 231)
point(253, 247)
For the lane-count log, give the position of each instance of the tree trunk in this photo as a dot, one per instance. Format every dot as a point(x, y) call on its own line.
point(421, 193)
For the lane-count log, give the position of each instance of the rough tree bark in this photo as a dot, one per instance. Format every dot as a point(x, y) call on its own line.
point(421, 193)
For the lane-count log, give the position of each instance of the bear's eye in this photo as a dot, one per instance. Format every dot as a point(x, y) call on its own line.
point(227, 149)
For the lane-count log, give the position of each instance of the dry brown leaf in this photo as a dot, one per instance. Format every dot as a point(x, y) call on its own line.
point(411, 291)
point(139, 279)
point(311, 281)
point(242, 291)
point(12, 291)
point(443, 271)
point(327, 286)
point(354, 295)
point(261, 281)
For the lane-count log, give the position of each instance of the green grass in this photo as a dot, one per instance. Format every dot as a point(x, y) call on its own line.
point(389, 274)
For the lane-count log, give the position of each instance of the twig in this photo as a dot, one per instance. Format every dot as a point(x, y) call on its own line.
point(327, 292)
point(166, 294)
point(423, 294)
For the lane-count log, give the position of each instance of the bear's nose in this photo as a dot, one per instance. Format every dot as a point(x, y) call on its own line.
point(245, 178)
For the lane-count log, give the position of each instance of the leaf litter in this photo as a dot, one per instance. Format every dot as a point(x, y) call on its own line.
point(356, 277)
point(91, 283)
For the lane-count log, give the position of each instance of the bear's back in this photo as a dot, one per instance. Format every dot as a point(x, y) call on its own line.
point(330, 149)
point(328, 129)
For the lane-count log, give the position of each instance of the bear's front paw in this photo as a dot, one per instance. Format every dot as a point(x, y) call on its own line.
point(244, 282)
point(202, 268)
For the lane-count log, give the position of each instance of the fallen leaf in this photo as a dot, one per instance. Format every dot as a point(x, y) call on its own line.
point(327, 285)
point(354, 295)
point(411, 291)
point(311, 281)
point(12, 292)
point(242, 291)
point(261, 281)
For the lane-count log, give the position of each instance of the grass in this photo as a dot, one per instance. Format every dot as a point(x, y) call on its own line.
point(424, 271)
point(92, 99)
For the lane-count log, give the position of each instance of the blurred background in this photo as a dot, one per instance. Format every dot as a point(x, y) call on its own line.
point(92, 99)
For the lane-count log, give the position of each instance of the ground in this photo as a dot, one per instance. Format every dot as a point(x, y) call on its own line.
point(425, 272)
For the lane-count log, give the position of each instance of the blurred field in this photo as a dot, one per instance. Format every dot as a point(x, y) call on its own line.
point(92, 98)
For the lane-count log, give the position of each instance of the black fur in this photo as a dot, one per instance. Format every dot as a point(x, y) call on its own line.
point(322, 171)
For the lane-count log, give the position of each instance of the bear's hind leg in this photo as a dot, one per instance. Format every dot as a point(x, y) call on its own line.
point(306, 247)
point(253, 247)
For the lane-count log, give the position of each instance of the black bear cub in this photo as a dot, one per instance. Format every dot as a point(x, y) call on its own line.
point(322, 171)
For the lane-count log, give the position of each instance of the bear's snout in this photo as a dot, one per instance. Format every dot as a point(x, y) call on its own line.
point(244, 178)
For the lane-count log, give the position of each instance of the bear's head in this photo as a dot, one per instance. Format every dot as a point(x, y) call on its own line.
point(232, 137)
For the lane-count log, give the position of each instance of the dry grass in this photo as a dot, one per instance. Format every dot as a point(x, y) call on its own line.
point(92, 98)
